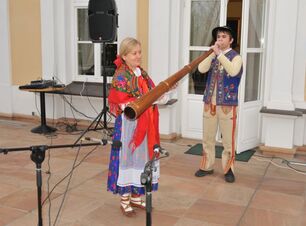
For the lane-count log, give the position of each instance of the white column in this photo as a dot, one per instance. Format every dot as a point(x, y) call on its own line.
point(282, 47)
point(280, 67)
point(62, 40)
point(299, 67)
point(159, 38)
point(47, 38)
point(5, 59)
point(299, 74)
point(163, 58)
point(56, 36)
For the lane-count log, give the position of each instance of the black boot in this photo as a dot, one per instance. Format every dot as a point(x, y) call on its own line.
point(229, 176)
point(202, 173)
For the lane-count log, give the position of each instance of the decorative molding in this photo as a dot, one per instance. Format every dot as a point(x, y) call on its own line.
point(294, 113)
point(276, 151)
point(169, 137)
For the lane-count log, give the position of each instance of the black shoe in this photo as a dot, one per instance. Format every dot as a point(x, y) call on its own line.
point(229, 176)
point(202, 173)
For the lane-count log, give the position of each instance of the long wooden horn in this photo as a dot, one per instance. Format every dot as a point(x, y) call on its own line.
point(134, 109)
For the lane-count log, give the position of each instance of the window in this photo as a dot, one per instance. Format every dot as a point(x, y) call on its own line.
point(256, 23)
point(92, 60)
point(254, 50)
point(204, 17)
point(252, 83)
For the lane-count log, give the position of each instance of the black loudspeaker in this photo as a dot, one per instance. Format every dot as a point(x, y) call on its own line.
point(102, 20)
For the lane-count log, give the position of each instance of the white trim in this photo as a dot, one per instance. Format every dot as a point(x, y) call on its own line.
point(185, 58)
point(80, 2)
point(264, 57)
point(97, 60)
point(83, 42)
point(255, 50)
point(247, 139)
point(299, 131)
point(97, 49)
point(280, 105)
point(270, 30)
point(61, 36)
point(223, 13)
point(243, 51)
point(5, 53)
point(74, 59)
point(279, 116)
point(199, 48)
point(300, 104)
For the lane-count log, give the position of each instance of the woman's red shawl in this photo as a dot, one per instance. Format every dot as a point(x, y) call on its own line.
point(127, 87)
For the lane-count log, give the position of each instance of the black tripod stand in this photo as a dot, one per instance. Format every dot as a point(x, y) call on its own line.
point(38, 156)
point(146, 179)
point(105, 109)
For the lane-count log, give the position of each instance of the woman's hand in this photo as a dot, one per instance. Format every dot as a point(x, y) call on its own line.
point(163, 99)
point(174, 86)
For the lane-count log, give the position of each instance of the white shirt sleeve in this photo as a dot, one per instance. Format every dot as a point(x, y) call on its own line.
point(205, 64)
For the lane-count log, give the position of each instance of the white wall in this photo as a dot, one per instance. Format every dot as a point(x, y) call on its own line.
point(164, 53)
point(298, 88)
point(127, 18)
point(56, 39)
point(47, 38)
point(5, 59)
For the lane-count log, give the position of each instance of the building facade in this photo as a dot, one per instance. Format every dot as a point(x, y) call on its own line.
point(49, 39)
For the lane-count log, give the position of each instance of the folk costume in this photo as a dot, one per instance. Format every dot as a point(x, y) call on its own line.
point(137, 136)
point(220, 107)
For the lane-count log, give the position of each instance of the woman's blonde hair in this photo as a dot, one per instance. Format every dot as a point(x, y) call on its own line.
point(127, 45)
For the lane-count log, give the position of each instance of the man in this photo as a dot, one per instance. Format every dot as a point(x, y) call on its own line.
point(224, 68)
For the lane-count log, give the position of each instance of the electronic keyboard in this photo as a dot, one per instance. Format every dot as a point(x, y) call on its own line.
point(41, 84)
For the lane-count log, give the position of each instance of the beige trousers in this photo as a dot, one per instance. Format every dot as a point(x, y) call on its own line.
point(225, 117)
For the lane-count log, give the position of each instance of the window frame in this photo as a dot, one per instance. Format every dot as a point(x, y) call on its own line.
point(97, 77)
point(222, 20)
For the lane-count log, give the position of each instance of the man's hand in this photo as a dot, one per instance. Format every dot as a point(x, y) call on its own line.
point(216, 49)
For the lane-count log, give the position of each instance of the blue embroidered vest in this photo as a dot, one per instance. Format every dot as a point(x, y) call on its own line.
point(227, 86)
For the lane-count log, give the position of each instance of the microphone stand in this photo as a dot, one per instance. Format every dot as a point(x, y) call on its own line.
point(38, 156)
point(146, 179)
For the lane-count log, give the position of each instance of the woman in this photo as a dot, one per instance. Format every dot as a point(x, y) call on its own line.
point(138, 136)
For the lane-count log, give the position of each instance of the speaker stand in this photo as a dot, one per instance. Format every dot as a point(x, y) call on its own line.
point(104, 111)
point(104, 93)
